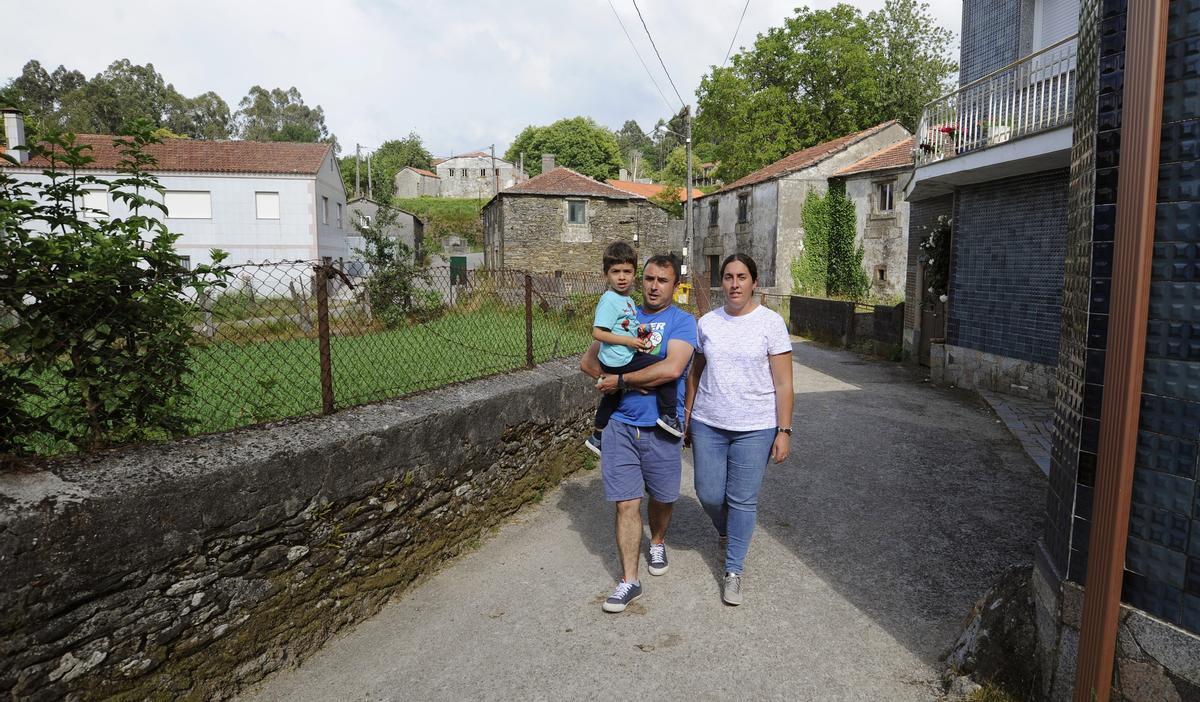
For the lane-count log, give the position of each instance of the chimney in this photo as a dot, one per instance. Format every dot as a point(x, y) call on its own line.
point(624, 175)
point(14, 133)
point(547, 163)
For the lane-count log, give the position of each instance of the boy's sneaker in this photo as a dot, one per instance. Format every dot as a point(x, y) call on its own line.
point(657, 561)
point(593, 443)
point(625, 593)
point(732, 592)
point(671, 425)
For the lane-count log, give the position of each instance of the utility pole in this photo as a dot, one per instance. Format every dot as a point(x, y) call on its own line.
point(370, 190)
point(689, 226)
point(357, 158)
point(495, 176)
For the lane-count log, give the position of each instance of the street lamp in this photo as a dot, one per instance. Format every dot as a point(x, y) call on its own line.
point(687, 221)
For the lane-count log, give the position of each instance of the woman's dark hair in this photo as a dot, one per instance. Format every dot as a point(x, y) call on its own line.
point(746, 260)
point(619, 252)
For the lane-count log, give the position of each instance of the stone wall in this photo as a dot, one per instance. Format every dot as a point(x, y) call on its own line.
point(979, 370)
point(530, 232)
point(883, 235)
point(188, 570)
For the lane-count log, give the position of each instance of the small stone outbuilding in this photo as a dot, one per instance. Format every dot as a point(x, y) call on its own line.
point(876, 186)
point(417, 182)
point(562, 220)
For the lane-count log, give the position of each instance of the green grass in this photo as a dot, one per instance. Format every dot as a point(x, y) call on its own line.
point(447, 215)
point(237, 384)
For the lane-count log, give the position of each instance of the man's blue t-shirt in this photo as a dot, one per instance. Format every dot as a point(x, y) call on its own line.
point(641, 409)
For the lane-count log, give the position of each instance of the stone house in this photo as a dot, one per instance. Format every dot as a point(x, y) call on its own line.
point(876, 187)
point(475, 175)
point(562, 220)
point(759, 214)
point(417, 182)
point(408, 228)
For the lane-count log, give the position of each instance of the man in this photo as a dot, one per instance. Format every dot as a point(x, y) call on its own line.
point(638, 457)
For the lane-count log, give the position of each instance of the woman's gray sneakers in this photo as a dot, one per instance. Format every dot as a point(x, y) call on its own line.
point(656, 562)
point(625, 593)
point(732, 592)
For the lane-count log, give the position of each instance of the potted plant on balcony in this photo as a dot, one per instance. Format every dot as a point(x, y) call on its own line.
point(948, 132)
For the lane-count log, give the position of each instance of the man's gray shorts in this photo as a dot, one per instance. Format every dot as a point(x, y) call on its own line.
point(636, 460)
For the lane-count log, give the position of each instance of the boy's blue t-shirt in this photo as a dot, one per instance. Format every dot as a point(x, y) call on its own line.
point(616, 313)
point(641, 409)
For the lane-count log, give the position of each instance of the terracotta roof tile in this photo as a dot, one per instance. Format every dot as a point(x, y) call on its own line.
point(649, 190)
point(898, 155)
point(804, 158)
point(196, 156)
point(564, 181)
point(423, 172)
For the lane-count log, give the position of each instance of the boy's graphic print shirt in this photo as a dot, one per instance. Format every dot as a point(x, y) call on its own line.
point(618, 314)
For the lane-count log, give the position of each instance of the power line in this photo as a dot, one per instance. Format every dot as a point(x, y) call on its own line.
point(639, 55)
point(660, 58)
point(735, 33)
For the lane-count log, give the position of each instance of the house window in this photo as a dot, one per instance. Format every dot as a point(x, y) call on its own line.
point(576, 211)
point(462, 172)
point(881, 274)
point(451, 172)
point(482, 172)
point(185, 262)
point(266, 205)
point(743, 208)
point(885, 194)
point(324, 210)
point(497, 172)
point(712, 213)
point(94, 202)
point(714, 271)
point(339, 215)
point(184, 204)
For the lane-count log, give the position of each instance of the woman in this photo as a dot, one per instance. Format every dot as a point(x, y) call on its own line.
point(738, 411)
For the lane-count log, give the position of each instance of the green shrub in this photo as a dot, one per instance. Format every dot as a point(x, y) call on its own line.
point(100, 312)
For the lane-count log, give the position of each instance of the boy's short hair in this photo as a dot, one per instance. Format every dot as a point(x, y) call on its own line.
point(619, 252)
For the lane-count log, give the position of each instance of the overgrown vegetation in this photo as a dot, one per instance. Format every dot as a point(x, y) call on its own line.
point(446, 216)
point(831, 263)
point(397, 290)
point(936, 249)
point(97, 311)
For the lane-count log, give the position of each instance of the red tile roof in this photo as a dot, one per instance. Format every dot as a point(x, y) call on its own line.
point(423, 172)
point(196, 156)
point(649, 190)
point(436, 161)
point(564, 181)
point(473, 154)
point(898, 155)
point(804, 158)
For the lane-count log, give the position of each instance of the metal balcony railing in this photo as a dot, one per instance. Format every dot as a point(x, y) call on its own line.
point(1031, 95)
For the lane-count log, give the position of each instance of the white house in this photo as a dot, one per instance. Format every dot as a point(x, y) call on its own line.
point(258, 201)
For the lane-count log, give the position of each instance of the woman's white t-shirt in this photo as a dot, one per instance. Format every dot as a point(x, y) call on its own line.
point(736, 392)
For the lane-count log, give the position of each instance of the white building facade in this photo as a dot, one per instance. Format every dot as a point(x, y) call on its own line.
point(475, 175)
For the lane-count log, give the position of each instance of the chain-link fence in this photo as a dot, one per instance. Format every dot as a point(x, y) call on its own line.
point(296, 339)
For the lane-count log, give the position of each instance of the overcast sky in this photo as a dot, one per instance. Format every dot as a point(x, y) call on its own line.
point(461, 73)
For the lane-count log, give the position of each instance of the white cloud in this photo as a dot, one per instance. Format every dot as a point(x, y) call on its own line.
point(461, 74)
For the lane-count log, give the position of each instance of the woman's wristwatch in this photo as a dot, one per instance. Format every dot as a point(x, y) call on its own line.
point(783, 430)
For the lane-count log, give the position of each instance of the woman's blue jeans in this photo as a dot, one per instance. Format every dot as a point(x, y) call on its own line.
point(729, 467)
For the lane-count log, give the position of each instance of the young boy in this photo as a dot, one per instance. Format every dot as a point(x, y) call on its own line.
point(624, 343)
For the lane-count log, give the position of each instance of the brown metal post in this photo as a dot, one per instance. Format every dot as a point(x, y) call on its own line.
point(1137, 185)
point(528, 321)
point(323, 338)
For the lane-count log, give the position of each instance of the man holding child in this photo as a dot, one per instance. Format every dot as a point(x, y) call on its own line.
point(639, 445)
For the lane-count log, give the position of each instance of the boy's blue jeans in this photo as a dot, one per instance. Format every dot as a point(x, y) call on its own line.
point(729, 467)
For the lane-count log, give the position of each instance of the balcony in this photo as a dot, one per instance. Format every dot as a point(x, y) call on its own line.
point(1016, 119)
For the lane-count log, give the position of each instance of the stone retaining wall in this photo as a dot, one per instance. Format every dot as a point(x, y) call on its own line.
point(188, 570)
point(979, 370)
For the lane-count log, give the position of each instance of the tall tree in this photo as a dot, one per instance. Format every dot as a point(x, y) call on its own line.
point(112, 100)
point(578, 143)
point(634, 144)
point(280, 115)
point(390, 158)
point(823, 74)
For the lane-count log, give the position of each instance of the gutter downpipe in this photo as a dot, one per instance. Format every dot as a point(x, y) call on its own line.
point(1137, 185)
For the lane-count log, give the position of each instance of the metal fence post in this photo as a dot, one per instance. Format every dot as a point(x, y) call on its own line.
point(323, 339)
point(528, 321)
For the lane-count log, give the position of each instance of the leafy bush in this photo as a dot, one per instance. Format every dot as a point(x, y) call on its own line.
point(811, 270)
point(830, 264)
point(95, 350)
point(936, 249)
point(397, 288)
